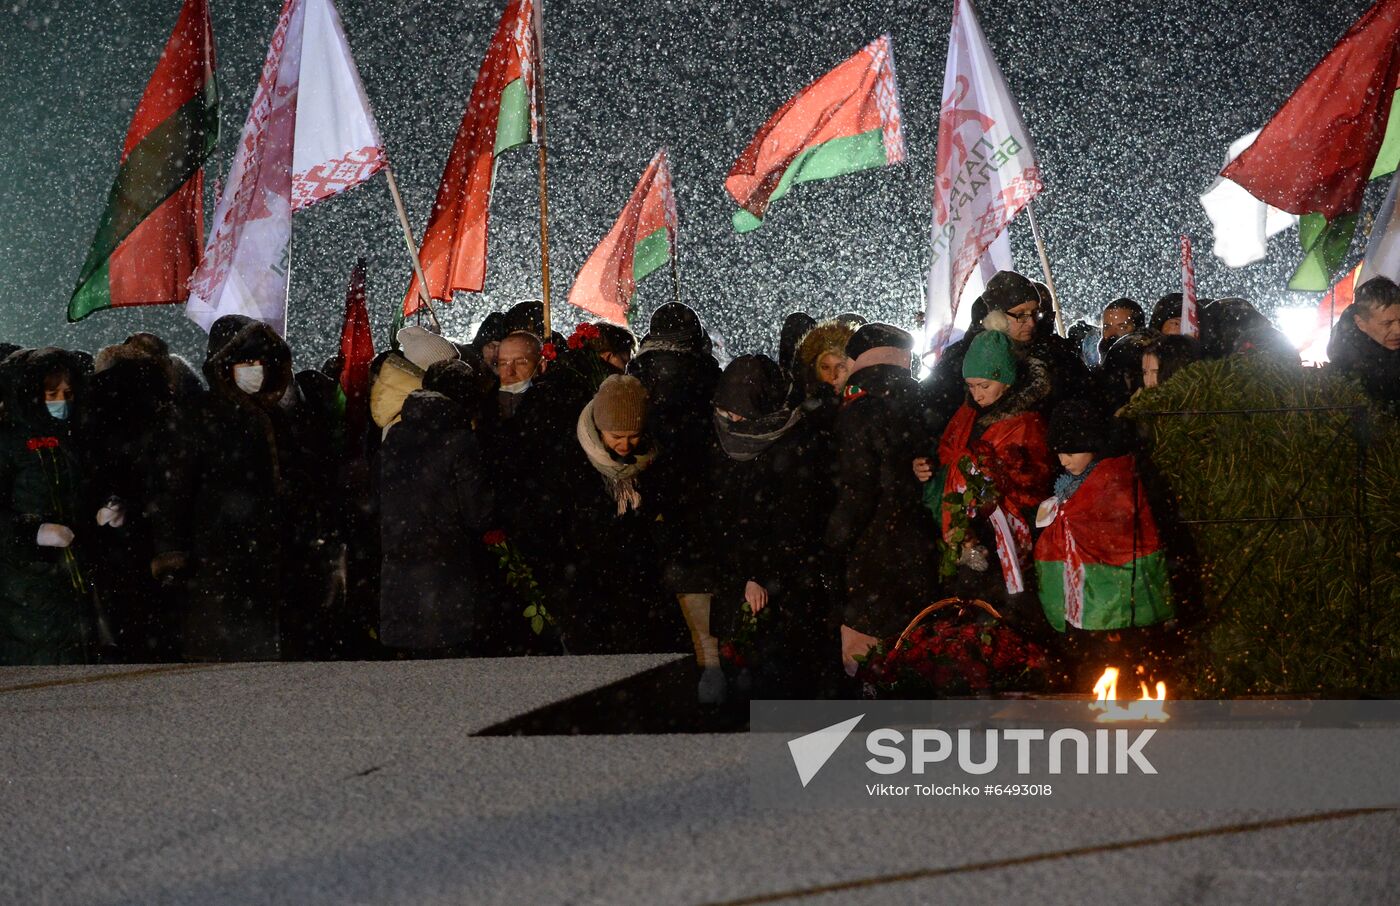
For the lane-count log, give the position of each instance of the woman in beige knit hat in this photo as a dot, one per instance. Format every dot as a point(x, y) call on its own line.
point(616, 602)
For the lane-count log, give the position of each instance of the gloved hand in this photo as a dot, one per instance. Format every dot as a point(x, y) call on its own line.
point(112, 514)
point(975, 558)
point(51, 534)
point(166, 565)
point(756, 595)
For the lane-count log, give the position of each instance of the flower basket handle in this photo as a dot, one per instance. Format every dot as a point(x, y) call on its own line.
point(939, 605)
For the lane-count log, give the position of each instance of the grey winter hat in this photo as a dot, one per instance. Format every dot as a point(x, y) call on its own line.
point(424, 348)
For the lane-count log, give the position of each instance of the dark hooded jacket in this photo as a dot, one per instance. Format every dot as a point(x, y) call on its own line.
point(680, 378)
point(879, 527)
point(1357, 356)
point(436, 503)
point(44, 610)
point(245, 503)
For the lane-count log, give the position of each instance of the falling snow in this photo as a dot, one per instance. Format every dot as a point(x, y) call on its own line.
point(1131, 105)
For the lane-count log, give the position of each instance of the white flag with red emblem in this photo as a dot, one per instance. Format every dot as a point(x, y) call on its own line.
point(309, 135)
point(1190, 319)
point(986, 169)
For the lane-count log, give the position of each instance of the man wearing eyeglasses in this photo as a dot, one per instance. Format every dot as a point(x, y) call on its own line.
point(518, 361)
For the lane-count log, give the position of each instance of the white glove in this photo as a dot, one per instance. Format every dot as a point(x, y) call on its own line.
point(51, 534)
point(113, 514)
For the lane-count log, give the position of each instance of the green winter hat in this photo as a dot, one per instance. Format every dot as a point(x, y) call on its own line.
point(989, 358)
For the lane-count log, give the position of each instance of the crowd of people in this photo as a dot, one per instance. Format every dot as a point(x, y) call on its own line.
point(591, 494)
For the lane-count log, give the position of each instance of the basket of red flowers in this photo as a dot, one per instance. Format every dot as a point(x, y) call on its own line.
point(969, 650)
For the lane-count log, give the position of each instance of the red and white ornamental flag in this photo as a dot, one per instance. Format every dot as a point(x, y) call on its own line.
point(1190, 319)
point(309, 135)
point(642, 240)
point(986, 169)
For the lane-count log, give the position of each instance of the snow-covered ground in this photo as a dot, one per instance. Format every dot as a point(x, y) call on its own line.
point(364, 783)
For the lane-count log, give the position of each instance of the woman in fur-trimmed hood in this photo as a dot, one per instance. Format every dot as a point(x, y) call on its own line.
point(820, 361)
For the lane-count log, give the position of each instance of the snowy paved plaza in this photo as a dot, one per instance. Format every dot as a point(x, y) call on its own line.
point(365, 783)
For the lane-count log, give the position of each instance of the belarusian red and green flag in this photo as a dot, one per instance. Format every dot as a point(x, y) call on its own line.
point(847, 120)
point(152, 231)
point(1332, 136)
point(642, 240)
point(501, 114)
point(1100, 562)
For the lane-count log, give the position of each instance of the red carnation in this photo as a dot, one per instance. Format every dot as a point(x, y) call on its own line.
point(589, 331)
point(494, 537)
point(548, 352)
point(575, 342)
point(42, 443)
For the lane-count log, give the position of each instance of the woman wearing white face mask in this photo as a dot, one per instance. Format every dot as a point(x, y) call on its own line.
point(248, 377)
point(44, 613)
point(243, 505)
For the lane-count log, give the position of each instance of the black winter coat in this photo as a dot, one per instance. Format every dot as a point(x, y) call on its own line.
point(1362, 358)
point(606, 588)
point(45, 615)
point(880, 525)
point(130, 411)
point(681, 389)
point(436, 502)
point(245, 501)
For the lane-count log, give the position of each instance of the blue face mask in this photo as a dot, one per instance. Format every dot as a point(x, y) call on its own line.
point(58, 409)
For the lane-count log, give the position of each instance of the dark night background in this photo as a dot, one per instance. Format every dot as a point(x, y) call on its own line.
point(1131, 104)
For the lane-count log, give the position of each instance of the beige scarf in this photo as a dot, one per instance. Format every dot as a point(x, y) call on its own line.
point(620, 478)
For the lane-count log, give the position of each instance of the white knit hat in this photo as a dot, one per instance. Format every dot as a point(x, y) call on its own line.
point(423, 348)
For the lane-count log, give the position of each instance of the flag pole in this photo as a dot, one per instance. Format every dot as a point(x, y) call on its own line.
point(412, 246)
point(544, 167)
point(675, 274)
point(1045, 266)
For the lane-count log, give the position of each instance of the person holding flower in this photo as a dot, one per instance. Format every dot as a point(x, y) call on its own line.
point(992, 468)
point(45, 607)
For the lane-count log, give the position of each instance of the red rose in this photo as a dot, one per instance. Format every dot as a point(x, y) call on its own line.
point(548, 352)
point(42, 443)
point(494, 538)
point(575, 342)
